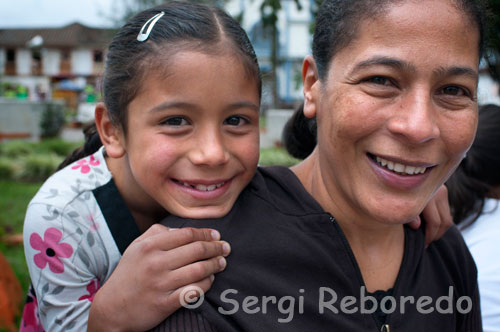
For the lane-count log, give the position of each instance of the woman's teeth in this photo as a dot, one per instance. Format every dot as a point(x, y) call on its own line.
point(202, 187)
point(400, 168)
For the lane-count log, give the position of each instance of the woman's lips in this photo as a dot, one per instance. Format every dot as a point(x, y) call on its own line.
point(399, 174)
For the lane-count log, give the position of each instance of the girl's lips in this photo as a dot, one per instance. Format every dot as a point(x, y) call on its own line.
point(398, 180)
point(202, 189)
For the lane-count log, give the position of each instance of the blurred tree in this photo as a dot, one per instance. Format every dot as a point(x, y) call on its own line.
point(269, 10)
point(493, 53)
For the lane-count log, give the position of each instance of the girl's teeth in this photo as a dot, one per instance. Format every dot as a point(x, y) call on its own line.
point(203, 187)
point(400, 168)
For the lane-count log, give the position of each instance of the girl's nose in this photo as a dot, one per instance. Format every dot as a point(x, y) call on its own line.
point(209, 150)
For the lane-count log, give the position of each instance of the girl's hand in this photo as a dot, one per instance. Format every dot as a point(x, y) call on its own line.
point(437, 216)
point(146, 285)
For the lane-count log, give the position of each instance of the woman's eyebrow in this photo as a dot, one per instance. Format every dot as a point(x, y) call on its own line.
point(384, 61)
point(456, 71)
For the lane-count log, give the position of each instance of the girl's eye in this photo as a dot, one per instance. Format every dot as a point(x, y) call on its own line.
point(175, 121)
point(454, 91)
point(235, 120)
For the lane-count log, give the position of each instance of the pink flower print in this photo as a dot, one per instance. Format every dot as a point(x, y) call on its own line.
point(92, 288)
point(94, 226)
point(50, 250)
point(84, 164)
point(30, 321)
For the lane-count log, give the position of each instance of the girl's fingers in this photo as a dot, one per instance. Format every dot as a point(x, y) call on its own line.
point(193, 252)
point(415, 223)
point(188, 296)
point(159, 237)
point(433, 220)
point(193, 273)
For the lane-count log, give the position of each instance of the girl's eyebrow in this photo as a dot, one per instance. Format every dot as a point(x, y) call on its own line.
point(185, 105)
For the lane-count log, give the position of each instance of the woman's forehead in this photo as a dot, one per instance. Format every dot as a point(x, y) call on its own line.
point(415, 32)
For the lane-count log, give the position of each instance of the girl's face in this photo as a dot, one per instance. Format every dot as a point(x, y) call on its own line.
point(397, 110)
point(192, 140)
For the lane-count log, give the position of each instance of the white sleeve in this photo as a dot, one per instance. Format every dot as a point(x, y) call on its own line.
point(67, 262)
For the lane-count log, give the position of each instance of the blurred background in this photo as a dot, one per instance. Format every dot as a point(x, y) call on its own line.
point(52, 56)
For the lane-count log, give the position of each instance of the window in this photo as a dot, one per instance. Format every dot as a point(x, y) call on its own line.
point(98, 56)
point(11, 55)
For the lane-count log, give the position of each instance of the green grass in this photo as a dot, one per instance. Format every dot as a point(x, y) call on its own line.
point(14, 198)
point(276, 156)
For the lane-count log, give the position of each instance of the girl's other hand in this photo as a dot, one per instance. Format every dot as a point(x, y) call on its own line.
point(146, 285)
point(437, 216)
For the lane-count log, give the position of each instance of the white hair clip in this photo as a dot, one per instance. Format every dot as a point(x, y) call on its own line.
point(143, 36)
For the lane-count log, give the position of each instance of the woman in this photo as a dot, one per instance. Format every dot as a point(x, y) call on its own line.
point(392, 85)
point(474, 190)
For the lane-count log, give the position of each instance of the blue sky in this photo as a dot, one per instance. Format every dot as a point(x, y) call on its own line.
point(56, 13)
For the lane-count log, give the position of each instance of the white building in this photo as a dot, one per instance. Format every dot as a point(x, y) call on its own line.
point(294, 43)
point(53, 60)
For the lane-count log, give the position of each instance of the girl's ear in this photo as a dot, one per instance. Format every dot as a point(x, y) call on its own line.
point(311, 86)
point(111, 136)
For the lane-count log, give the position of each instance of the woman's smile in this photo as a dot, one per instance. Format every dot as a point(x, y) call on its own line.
point(403, 174)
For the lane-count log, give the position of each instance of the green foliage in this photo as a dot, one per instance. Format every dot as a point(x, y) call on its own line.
point(14, 199)
point(58, 146)
point(276, 156)
point(38, 167)
point(6, 169)
point(52, 120)
point(493, 47)
point(16, 148)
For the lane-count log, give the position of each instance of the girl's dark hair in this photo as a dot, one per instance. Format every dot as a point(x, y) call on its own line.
point(337, 24)
point(185, 26)
point(478, 173)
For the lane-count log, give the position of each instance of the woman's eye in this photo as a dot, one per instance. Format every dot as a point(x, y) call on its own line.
point(380, 80)
point(175, 121)
point(454, 91)
point(235, 120)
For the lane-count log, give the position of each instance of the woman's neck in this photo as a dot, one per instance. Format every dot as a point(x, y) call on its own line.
point(378, 247)
point(143, 208)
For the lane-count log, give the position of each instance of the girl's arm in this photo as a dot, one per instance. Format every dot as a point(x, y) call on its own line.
point(72, 260)
point(146, 285)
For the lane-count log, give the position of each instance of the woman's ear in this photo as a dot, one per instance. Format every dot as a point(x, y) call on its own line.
point(311, 85)
point(111, 136)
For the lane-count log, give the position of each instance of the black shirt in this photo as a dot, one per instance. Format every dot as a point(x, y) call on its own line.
point(291, 268)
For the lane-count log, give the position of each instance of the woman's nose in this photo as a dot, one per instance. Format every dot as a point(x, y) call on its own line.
point(415, 119)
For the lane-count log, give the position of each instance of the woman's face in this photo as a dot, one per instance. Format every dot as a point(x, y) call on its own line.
point(397, 110)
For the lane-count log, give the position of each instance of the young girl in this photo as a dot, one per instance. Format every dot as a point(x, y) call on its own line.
point(180, 128)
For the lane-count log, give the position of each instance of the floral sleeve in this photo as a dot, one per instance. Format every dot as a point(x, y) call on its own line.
point(65, 255)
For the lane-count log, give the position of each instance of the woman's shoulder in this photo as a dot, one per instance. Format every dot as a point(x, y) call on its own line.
point(280, 187)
